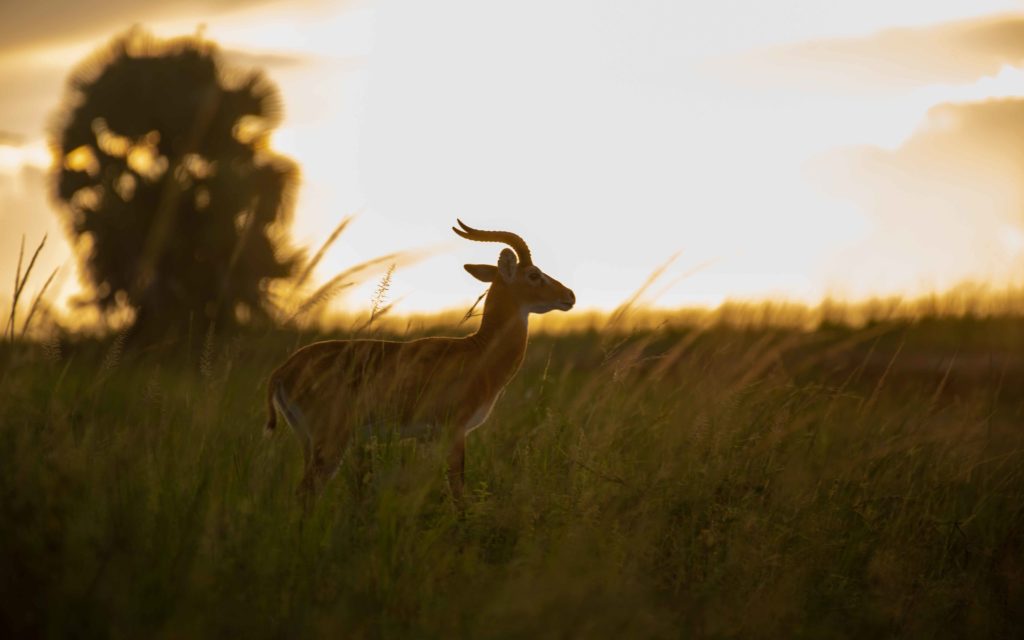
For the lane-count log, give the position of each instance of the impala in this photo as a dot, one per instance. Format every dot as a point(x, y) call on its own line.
point(333, 390)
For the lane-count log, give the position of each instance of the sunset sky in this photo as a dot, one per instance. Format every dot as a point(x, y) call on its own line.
point(784, 148)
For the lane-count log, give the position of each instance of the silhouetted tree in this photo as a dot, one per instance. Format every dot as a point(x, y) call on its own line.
point(176, 204)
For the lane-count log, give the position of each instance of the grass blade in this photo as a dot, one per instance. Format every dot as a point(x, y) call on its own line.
point(20, 280)
point(621, 311)
point(319, 255)
point(35, 302)
point(333, 286)
point(17, 281)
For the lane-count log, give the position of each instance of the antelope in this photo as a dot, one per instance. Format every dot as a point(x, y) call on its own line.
point(333, 390)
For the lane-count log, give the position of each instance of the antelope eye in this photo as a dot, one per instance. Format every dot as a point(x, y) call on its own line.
point(533, 277)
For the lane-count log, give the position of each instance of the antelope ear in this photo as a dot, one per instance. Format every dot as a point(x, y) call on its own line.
point(507, 265)
point(482, 272)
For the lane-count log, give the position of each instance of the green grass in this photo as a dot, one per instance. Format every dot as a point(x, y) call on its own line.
point(668, 483)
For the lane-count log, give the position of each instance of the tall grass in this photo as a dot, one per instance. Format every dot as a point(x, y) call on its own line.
point(20, 281)
point(715, 482)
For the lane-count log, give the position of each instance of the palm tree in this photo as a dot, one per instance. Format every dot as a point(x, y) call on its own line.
point(176, 204)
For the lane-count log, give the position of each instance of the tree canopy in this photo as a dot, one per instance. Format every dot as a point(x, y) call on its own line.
point(176, 204)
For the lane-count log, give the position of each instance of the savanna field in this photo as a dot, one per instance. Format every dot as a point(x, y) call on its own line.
point(684, 480)
point(190, 192)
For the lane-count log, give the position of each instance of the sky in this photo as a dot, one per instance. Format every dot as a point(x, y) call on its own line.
point(777, 149)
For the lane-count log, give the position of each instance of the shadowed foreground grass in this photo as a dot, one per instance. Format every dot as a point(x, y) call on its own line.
point(721, 483)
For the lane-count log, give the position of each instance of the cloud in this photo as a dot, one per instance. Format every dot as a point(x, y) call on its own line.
point(46, 22)
point(958, 146)
point(951, 197)
point(248, 59)
point(32, 90)
point(30, 94)
point(9, 139)
point(956, 52)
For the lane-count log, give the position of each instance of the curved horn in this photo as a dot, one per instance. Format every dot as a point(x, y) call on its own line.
point(507, 237)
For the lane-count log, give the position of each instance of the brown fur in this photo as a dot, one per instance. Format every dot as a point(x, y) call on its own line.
point(332, 388)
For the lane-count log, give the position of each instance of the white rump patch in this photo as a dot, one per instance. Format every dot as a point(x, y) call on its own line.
point(479, 417)
point(293, 416)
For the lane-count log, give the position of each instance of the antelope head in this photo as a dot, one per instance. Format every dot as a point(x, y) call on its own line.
point(515, 277)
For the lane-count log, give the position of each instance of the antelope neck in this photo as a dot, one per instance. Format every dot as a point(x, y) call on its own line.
point(503, 329)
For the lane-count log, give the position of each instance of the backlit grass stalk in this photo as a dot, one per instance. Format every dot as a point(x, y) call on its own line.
point(20, 280)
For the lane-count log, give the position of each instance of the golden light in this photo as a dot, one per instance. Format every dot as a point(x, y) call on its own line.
point(603, 134)
point(82, 159)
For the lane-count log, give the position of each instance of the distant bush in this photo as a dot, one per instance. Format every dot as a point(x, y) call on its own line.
point(175, 202)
